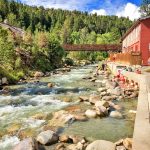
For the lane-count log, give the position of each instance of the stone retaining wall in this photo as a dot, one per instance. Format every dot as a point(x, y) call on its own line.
point(141, 135)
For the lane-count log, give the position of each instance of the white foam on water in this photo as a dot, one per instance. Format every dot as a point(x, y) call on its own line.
point(11, 109)
point(47, 99)
point(33, 123)
point(2, 98)
point(8, 142)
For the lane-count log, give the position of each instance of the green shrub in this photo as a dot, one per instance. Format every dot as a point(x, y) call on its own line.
point(69, 61)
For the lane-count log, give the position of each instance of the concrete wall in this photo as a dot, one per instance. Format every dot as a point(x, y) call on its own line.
point(141, 135)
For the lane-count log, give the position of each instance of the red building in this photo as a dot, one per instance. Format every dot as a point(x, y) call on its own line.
point(137, 40)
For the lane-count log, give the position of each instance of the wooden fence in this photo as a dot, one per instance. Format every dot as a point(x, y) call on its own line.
point(132, 58)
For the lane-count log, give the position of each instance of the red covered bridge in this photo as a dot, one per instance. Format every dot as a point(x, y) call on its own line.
point(93, 47)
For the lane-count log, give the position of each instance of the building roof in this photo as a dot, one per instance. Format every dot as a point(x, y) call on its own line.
point(133, 26)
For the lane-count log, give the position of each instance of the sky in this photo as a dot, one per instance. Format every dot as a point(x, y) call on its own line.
point(125, 8)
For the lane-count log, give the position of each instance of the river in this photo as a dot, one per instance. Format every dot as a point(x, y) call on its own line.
point(29, 99)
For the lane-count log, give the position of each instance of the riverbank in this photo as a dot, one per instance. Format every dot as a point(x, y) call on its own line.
point(78, 99)
point(140, 139)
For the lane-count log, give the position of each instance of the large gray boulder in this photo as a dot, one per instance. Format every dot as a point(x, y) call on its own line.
point(101, 145)
point(47, 137)
point(27, 144)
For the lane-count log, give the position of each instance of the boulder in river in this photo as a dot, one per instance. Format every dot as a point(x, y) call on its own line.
point(50, 85)
point(127, 143)
point(101, 145)
point(61, 118)
point(80, 117)
point(115, 114)
point(101, 111)
point(107, 98)
point(47, 137)
point(90, 113)
point(102, 103)
point(120, 148)
point(27, 144)
point(84, 98)
point(38, 74)
point(64, 138)
point(101, 89)
point(94, 98)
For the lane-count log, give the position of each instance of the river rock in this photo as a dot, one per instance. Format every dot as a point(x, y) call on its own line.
point(101, 145)
point(101, 89)
point(4, 81)
point(80, 117)
point(127, 143)
point(117, 91)
point(94, 98)
point(61, 118)
point(64, 138)
point(84, 98)
point(90, 113)
point(107, 98)
point(50, 85)
point(47, 137)
point(120, 142)
point(132, 111)
point(60, 146)
point(116, 107)
point(101, 111)
point(103, 93)
point(72, 147)
point(40, 116)
point(93, 80)
point(76, 139)
point(38, 74)
point(27, 144)
point(120, 148)
point(109, 85)
point(115, 114)
point(102, 103)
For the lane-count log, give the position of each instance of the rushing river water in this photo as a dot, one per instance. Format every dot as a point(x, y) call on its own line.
point(27, 100)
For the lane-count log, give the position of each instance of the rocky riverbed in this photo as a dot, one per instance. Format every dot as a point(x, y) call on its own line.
point(68, 110)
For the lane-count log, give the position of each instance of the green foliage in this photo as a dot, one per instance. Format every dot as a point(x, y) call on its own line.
point(45, 31)
point(68, 61)
point(145, 8)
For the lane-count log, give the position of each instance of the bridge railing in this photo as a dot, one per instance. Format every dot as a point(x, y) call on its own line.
point(92, 47)
point(132, 58)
